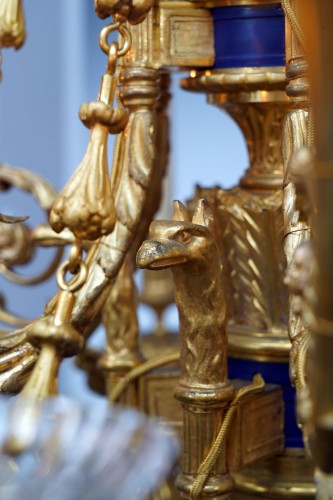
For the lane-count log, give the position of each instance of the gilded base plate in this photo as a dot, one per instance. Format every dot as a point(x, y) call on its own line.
point(289, 476)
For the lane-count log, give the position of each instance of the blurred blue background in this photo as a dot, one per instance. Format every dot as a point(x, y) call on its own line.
point(44, 85)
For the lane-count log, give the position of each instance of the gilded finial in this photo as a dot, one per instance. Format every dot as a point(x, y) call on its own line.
point(85, 205)
point(12, 26)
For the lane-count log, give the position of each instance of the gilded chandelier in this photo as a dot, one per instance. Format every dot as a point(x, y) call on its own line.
point(245, 389)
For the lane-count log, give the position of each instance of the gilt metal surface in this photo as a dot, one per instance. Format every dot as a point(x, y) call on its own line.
point(232, 252)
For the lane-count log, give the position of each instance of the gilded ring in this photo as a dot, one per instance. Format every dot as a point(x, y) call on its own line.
point(127, 39)
point(76, 282)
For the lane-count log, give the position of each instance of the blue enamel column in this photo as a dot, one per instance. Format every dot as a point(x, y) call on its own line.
point(253, 36)
point(249, 36)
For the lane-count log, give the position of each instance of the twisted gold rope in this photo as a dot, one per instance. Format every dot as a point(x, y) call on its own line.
point(297, 29)
point(293, 21)
point(139, 370)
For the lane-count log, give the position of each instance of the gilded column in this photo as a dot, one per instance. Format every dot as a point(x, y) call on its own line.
point(295, 137)
point(248, 81)
point(250, 215)
point(140, 95)
point(119, 312)
point(190, 250)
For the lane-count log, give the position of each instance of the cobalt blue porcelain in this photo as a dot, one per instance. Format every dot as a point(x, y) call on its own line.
point(249, 36)
point(274, 373)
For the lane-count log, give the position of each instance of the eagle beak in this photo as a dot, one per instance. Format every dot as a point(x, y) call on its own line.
point(160, 254)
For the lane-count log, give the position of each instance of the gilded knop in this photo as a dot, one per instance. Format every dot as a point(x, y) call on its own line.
point(98, 112)
point(55, 336)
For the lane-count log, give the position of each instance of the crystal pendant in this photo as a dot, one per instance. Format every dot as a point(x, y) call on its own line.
point(76, 452)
